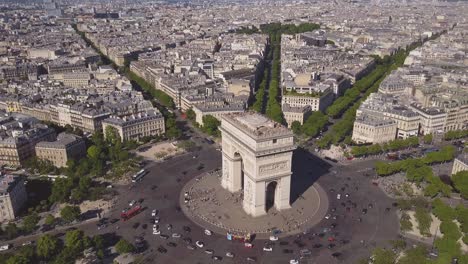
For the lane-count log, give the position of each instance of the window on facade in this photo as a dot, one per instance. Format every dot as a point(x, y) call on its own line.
point(274, 141)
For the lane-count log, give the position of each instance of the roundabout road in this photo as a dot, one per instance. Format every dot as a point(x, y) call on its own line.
point(162, 186)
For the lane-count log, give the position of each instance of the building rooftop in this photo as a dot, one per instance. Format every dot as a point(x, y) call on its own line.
point(257, 125)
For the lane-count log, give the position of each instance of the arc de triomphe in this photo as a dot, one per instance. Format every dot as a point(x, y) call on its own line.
point(257, 156)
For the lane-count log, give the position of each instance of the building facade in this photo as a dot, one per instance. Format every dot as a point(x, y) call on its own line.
point(368, 129)
point(460, 164)
point(135, 127)
point(13, 197)
point(66, 147)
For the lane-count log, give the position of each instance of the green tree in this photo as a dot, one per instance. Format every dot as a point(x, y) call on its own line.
point(428, 138)
point(383, 256)
point(12, 230)
point(172, 131)
point(443, 211)
point(424, 220)
point(18, 259)
point(296, 127)
point(112, 135)
point(190, 114)
point(460, 182)
point(61, 190)
point(210, 125)
point(47, 246)
point(70, 213)
point(94, 153)
point(76, 241)
point(30, 222)
point(50, 220)
point(123, 246)
point(414, 256)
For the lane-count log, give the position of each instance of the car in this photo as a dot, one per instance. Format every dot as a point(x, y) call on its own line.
point(171, 244)
point(293, 261)
point(330, 246)
point(156, 232)
point(208, 232)
point(268, 248)
point(336, 254)
point(370, 206)
point(114, 220)
point(248, 245)
point(338, 196)
point(176, 235)
point(187, 240)
point(190, 247)
point(251, 259)
point(199, 244)
point(317, 246)
point(164, 236)
point(132, 203)
point(154, 212)
point(305, 252)
point(169, 226)
point(209, 251)
point(287, 251)
point(162, 249)
point(27, 243)
point(333, 209)
point(333, 225)
point(217, 258)
point(155, 226)
point(186, 229)
point(364, 211)
point(347, 195)
point(328, 216)
point(229, 254)
point(156, 220)
point(284, 243)
point(273, 238)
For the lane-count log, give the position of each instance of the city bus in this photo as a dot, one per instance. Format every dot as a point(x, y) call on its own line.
point(138, 176)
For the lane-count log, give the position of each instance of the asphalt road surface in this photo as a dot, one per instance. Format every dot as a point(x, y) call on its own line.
point(160, 189)
point(354, 239)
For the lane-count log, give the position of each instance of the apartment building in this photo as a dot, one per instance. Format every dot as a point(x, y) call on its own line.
point(299, 114)
point(371, 129)
point(317, 102)
point(136, 126)
point(13, 197)
point(216, 110)
point(15, 150)
point(460, 164)
point(66, 147)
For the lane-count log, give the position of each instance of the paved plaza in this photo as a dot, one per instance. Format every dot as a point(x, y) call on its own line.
point(215, 208)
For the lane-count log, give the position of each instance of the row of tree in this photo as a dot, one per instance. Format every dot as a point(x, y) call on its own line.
point(49, 249)
point(362, 89)
point(291, 29)
point(394, 145)
point(273, 107)
point(456, 134)
point(445, 154)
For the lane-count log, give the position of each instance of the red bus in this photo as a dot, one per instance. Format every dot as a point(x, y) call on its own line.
point(129, 213)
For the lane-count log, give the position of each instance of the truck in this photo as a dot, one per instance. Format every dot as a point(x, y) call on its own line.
point(130, 212)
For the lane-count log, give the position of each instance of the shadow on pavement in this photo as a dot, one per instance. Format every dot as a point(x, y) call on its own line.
point(307, 169)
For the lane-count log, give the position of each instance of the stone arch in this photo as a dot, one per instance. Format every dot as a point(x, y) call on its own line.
point(251, 160)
